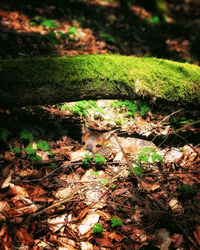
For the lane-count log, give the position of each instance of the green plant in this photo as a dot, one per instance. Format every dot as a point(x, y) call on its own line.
point(43, 145)
point(49, 23)
point(186, 189)
point(16, 150)
point(113, 186)
point(95, 173)
point(131, 108)
point(138, 170)
point(39, 20)
point(147, 153)
point(51, 37)
point(183, 120)
point(26, 135)
point(144, 158)
point(61, 34)
point(72, 30)
point(87, 159)
point(30, 150)
point(81, 107)
point(34, 157)
point(51, 153)
point(105, 181)
point(108, 37)
point(32, 154)
point(99, 158)
point(97, 228)
point(116, 222)
point(155, 20)
point(4, 134)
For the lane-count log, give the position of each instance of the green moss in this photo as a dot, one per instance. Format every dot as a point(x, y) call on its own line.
point(162, 78)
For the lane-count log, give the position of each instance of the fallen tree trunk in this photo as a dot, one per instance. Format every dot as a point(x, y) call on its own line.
point(37, 81)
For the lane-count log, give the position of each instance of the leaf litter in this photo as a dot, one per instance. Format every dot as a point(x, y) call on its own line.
point(56, 202)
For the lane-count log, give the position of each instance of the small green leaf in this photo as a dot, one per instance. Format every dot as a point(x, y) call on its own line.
point(4, 134)
point(138, 170)
point(51, 153)
point(97, 228)
point(108, 37)
point(99, 158)
point(25, 135)
point(16, 150)
point(113, 186)
point(116, 222)
point(105, 181)
point(30, 150)
point(95, 173)
point(87, 159)
point(50, 23)
point(72, 30)
point(187, 189)
point(155, 157)
point(43, 145)
point(34, 157)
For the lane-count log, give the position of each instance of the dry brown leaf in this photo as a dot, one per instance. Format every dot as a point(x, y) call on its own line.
point(197, 234)
point(104, 241)
point(18, 191)
point(24, 236)
point(115, 236)
point(178, 240)
point(35, 191)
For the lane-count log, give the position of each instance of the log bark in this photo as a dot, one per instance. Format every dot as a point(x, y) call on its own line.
point(38, 81)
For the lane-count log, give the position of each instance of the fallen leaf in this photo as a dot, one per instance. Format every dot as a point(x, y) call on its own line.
point(88, 223)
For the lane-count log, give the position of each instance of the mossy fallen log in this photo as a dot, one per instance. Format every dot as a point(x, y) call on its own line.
point(38, 81)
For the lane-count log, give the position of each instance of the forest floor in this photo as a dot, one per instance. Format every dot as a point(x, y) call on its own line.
point(53, 194)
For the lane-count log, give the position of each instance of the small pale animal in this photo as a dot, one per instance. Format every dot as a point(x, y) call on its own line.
point(93, 141)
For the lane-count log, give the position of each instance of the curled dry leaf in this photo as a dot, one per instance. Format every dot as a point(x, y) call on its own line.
point(18, 191)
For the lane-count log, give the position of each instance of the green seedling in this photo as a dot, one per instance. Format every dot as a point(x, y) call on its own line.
point(39, 20)
point(16, 150)
point(5, 133)
point(105, 181)
point(51, 153)
point(186, 189)
point(138, 170)
point(99, 158)
point(155, 20)
point(34, 157)
point(113, 186)
point(95, 173)
point(116, 222)
point(131, 108)
point(30, 150)
point(25, 135)
point(72, 30)
point(51, 37)
point(87, 159)
point(32, 154)
point(49, 23)
point(146, 154)
point(62, 35)
point(97, 228)
point(43, 145)
point(53, 164)
point(182, 121)
point(108, 37)
point(81, 107)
